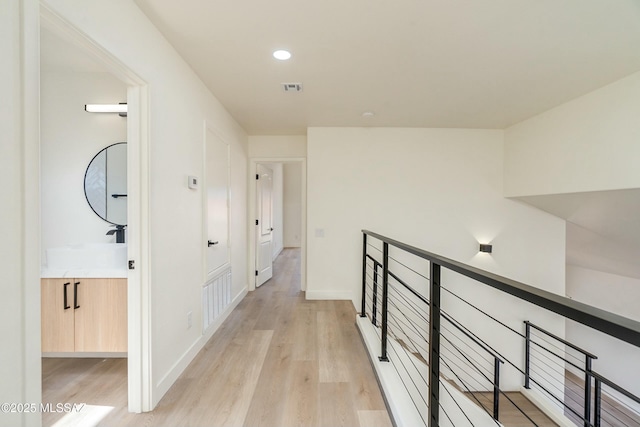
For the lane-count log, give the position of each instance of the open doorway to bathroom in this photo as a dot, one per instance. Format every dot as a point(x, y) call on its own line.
point(94, 311)
point(83, 230)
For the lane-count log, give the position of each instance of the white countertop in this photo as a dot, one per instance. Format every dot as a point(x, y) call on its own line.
point(48, 273)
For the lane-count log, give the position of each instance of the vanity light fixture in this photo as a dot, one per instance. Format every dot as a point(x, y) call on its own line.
point(120, 108)
point(486, 248)
point(282, 55)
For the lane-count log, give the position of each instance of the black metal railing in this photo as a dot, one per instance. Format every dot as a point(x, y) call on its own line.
point(582, 398)
point(402, 294)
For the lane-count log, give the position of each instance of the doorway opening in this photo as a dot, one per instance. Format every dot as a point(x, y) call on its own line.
point(278, 202)
point(75, 71)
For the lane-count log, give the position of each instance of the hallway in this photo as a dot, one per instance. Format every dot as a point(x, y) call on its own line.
point(278, 360)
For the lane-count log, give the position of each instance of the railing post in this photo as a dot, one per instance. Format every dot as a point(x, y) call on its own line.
point(597, 410)
point(527, 354)
point(385, 288)
point(374, 316)
point(587, 390)
point(363, 311)
point(434, 346)
point(496, 388)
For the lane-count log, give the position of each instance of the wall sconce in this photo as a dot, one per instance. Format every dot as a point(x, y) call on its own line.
point(486, 248)
point(120, 108)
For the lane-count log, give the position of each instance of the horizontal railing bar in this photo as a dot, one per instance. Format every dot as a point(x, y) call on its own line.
point(615, 386)
point(471, 337)
point(623, 328)
point(563, 341)
point(549, 344)
point(374, 260)
point(580, 368)
point(413, 291)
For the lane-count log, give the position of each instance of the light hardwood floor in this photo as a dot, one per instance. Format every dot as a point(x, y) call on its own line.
point(278, 360)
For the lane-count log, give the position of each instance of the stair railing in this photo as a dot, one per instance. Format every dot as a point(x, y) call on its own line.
point(614, 325)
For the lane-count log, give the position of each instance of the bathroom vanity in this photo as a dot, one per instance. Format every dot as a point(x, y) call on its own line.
point(84, 315)
point(84, 300)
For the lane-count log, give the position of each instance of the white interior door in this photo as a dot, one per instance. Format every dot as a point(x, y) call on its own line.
point(217, 203)
point(264, 228)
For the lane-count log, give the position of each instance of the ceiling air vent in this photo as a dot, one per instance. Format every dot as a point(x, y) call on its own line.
point(292, 87)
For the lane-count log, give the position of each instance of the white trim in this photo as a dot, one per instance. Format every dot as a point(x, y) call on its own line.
point(213, 327)
point(24, 132)
point(138, 152)
point(187, 357)
point(253, 214)
point(401, 410)
point(329, 295)
point(546, 407)
point(87, 355)
point(273, 258)
point(139, 246)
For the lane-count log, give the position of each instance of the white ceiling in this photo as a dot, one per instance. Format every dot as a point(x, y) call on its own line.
point(415, 63)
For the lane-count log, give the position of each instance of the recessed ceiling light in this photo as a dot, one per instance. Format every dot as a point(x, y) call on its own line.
point(282, 55)
point(368, 114)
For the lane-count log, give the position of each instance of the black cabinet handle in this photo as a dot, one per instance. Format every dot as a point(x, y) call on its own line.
point(210, 243)
point(66, 304)
point(75, 295)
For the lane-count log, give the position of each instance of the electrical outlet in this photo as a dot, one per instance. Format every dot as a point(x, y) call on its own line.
point(189, 319)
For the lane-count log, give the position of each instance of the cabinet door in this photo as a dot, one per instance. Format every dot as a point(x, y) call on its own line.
point(57, 317)
point(101, 318)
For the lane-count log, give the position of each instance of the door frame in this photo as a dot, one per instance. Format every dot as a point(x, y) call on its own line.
point(253, 212)
point(140, 381)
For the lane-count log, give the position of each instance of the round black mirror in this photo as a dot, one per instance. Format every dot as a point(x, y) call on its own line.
point(105, 184)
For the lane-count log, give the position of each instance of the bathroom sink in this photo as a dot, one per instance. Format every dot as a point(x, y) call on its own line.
point(102, 256)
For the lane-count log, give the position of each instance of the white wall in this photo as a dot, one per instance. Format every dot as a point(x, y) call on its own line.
point(588, 144)
point(292, 205)
point(20, 369)
point(69, 139)
point(179, 106)
point(437, 189)
point(277, 146)
point(617, 360)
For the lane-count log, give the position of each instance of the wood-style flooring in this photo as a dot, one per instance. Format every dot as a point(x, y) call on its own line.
point(278, 360)
point(510, 415)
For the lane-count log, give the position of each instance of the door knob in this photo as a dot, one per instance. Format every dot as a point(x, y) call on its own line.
point(211, 243)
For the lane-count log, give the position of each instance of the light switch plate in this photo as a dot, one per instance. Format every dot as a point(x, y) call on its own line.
point(193, 182)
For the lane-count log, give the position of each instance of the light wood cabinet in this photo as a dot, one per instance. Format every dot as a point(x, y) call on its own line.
point(84, 315)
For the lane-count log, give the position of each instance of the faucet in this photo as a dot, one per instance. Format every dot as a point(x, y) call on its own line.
point(119, 232)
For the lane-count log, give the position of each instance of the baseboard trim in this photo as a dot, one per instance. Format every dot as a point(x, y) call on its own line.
point(273, 258)
point(87, 354)
point(206, 336)
point(176, 370)
point(549, 409)
point(328, 295)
